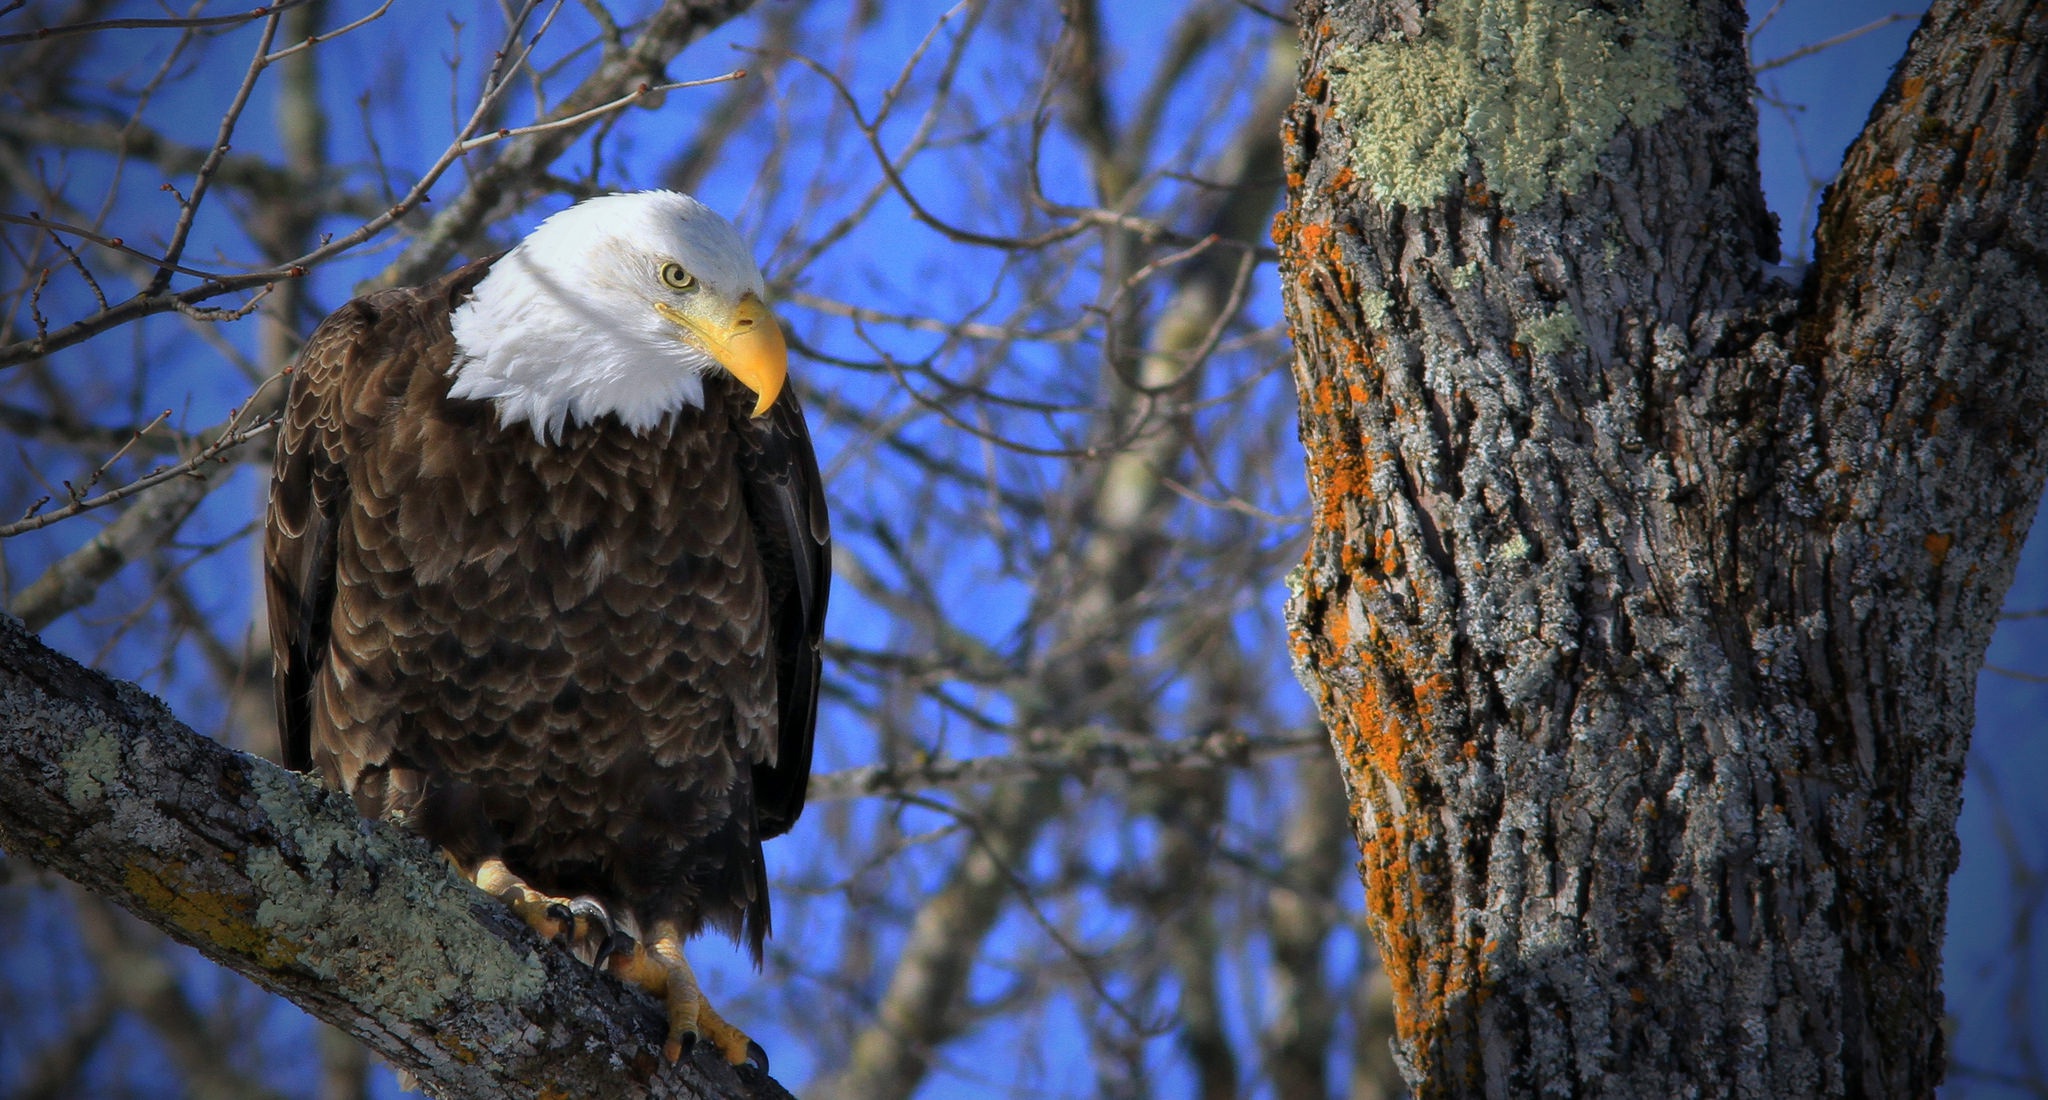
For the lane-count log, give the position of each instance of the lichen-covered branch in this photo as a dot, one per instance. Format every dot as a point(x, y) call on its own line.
point(359, 923)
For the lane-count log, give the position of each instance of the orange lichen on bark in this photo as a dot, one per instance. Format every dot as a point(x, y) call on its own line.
point(1375, 718)
point(1283, 226)
point(1435, 982)
point(1323, 397)
point(1372, 734)
point(1390, 892)
point(1337, 628)
point(1391, 692)
point(1937, 545)
point(1430, 693)
point(1339, 478)
point(1380, 735)
point(1309, 237)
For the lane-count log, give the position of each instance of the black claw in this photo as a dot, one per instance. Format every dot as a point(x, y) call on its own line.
point(619, 945)
point(757, 1057)
point(560, 914)
point(615, 942)
point(589, 934)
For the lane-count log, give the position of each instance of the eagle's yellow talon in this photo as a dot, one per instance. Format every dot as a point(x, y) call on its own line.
point(731, 1042)
point(660, 969)
point(545, 915)
point(580, 924)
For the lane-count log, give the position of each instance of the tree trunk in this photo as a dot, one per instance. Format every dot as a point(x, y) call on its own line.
point(1647, 591)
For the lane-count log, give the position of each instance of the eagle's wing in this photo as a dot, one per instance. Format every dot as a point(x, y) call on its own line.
point(308, 491)
point(360, 359)
point(787, 502)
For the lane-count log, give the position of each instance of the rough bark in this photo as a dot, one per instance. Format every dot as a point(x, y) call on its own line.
point(1646, 592)
point(358, 923)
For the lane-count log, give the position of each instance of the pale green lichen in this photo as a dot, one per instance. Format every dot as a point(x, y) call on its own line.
point(1464, 275)
point(1375, 306)
point(1534, 90)
point(1515, 549)
point(91, 766)
point(1552, 332)
point(347, 885)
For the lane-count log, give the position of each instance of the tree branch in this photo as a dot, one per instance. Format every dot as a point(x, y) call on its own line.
point(72, 581)
point(676, 24)
point(1083, 755)
point(356, 922)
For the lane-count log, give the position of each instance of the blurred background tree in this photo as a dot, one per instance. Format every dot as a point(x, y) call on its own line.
point(1022, 250)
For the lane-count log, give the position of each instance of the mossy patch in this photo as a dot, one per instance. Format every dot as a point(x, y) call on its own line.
point(1534, 90)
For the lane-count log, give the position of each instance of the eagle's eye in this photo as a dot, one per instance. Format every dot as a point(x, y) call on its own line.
point(673, 274)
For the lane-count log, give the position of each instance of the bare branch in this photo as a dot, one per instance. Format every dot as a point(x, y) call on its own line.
point(71, 582)
point(572, 122)
point(676, 24)
point(1812, 48)
point(193, 22)
point(233, 435)
point(1080, 754)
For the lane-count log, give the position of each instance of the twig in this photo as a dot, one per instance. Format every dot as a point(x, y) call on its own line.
point(188, 211)
point(191, 467)
point(149, 304)
point(634, 96)
point(312, 40)
point(1084, 758)
point(181, 23)
point(1829, 43)
point(116, 244)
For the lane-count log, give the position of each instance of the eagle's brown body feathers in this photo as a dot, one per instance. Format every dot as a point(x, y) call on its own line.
point(594, 657)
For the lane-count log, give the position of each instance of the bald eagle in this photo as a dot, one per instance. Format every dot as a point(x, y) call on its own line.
point(547, 561)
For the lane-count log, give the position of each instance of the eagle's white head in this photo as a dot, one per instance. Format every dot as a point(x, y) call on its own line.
point(620, 304)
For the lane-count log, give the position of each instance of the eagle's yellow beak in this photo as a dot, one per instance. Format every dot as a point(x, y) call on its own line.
point(750, 346)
